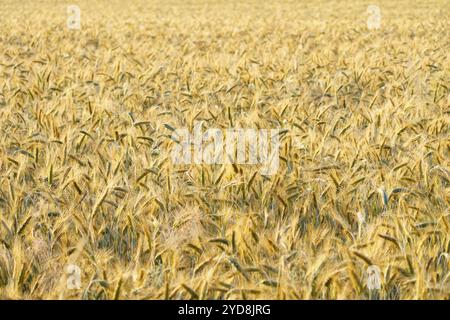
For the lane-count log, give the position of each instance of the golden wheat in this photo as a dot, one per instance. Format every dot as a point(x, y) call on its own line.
point(86, 178)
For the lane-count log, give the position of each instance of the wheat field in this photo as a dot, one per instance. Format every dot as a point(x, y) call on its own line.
point(87, 185)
